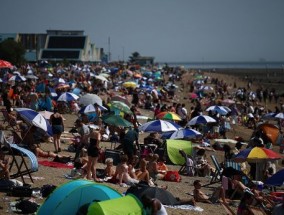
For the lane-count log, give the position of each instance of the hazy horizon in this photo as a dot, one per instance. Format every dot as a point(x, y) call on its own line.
point(170, 31)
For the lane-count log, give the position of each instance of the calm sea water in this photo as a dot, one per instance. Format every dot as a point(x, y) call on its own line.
point(229, 65)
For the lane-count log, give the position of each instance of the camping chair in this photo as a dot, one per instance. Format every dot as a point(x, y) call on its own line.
point(217, 175)
point(189, 165)
point(11, 122)
point(20, 164)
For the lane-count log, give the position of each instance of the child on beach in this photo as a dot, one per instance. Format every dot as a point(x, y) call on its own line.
point(109, 170)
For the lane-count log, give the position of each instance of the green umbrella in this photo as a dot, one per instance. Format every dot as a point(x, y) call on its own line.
point(121, 106)
point(116, 120)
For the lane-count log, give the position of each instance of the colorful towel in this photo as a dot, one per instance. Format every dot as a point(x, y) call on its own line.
point(56, 164)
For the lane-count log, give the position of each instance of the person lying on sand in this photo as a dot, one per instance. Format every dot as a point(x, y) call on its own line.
point(199, 196)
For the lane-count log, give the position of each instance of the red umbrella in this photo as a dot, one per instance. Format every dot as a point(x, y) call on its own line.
point(5, 64)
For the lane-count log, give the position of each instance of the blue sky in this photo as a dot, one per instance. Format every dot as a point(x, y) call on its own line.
point(169, 30)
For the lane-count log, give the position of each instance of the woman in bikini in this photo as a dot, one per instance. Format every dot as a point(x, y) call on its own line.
point(56, 121)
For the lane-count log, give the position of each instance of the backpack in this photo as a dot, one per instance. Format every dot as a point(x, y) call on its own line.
point(172, 176)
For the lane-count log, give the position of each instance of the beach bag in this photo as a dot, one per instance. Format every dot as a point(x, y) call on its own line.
point(27, 206)
point(47, 189)
point(172, 176)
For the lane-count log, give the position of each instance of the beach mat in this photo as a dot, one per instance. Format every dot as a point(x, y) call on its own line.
point(55, 164)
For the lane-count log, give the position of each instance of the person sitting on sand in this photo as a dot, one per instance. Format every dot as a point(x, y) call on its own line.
point(153, 206)
point(142, 174)
point(199, 196)
point(121, 172)
point(109, 170)
point(32, 143)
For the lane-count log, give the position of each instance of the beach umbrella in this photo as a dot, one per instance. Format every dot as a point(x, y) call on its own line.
point(5, 64)
point(219, 109)
point(121, 106)
point(159, 126)
point(101, 78)
point(183, 133)
point(17, 78)
point(228, 102)
point(256, 154)
point(90, 99)
point(47, 114)
point(33, 77)
point(202, 119)
point(16, 73)
point(32, 117)
point(279, 115)
point(277, 179)
point(67, 97)
point(206, 88)
point(168, 116)
point(193, 96)
point(91, 109)
point(129, 84)
point(120, 99)
point(116, 120)
point(163, 195)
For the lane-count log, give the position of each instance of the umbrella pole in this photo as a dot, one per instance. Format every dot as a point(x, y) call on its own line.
point(25, 135)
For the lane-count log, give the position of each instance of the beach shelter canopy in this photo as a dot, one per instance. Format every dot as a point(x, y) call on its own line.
point(126, 205)
point(70, 197)
point(173, 147)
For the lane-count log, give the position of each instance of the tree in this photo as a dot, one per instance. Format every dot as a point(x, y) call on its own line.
point(134, 56)
point(12, 51)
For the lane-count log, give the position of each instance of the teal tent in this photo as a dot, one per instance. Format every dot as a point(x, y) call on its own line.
point(70, 197)
point(173, 147)
point(127, 205)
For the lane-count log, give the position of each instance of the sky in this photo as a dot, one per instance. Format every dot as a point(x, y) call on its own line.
point(169, 30)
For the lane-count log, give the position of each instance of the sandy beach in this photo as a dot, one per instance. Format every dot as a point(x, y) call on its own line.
point(183, 189)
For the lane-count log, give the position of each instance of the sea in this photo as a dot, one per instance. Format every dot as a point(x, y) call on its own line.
point(227, 65)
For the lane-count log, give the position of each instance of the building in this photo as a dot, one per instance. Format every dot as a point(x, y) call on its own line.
point(143, 60)
point(57, 45)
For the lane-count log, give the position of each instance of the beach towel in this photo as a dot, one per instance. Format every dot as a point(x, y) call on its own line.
point(185, 207)
point(56, 164)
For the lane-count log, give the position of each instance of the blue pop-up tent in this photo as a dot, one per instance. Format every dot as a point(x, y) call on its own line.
point(70, 197)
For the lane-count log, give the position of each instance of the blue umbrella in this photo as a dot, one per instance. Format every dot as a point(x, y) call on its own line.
point(76, 91)
point(159, 126)
point(202, 119)
point(182, 134)
point(34, 118)
point(91, 109)
point(277, 179)
point(67, 97)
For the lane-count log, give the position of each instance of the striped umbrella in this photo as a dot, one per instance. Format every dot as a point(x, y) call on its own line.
point(169, 116)
point(67, 97)
point(159, 126)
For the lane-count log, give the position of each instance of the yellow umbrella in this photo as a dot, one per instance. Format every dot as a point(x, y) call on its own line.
point(129, 84)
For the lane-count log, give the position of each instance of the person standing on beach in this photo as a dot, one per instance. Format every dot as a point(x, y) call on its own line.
point(56, 121)
point(129, 141)
point(93, 153)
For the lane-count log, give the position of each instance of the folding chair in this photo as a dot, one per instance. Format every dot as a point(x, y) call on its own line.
point(11, 122)
point(236, 166)
point(189, 165)
point(217, 175)
point(21, 167)
point(228, 210)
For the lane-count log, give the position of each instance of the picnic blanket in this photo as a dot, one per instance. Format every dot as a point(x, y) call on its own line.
point(56, 164)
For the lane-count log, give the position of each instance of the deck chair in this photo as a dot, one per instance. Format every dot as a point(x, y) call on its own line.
point(189, 167)
point(217, 175)
point(229, 163)
point(256, 210)
point(12, 123)
point(19, 165)
point(227, 208)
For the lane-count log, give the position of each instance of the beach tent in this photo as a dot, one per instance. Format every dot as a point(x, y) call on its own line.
point(173, 147)
point(70, 197)
point(126, 205)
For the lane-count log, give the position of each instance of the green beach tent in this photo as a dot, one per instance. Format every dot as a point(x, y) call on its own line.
point(173, 147)
point(127, 205)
